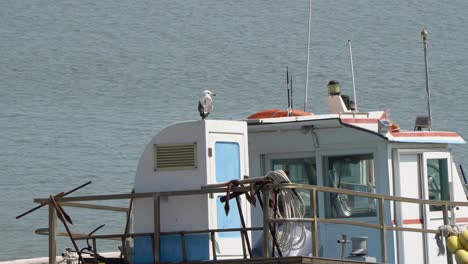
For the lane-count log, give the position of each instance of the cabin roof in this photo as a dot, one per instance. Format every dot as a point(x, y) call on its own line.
point(375, 123)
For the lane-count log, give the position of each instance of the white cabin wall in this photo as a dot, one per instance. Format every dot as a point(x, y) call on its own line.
point(195, 212)
point(149, 180)
point(331, 141)
point(455, 188)
point(458, 194)
point(359, 143)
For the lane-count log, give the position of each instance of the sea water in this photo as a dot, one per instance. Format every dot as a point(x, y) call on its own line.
point(84, 85)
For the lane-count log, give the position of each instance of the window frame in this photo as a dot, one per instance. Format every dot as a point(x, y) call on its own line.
point(348, 152)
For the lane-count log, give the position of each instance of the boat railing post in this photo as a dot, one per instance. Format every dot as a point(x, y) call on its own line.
point(445, 216)
point(213, 244)
point(157, 228)
point(383, 230)
point(95, 251)
point(124, 253)
point(266, 223)
point(52, 242)
point(313, 203)
point(244, 250)
point(184, 248)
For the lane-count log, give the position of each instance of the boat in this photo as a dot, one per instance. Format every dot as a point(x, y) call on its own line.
point(338, 187)
point(284, 186)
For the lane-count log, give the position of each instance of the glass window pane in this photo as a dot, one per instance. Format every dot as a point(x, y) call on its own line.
point(437, 180)
point(351, 172)
point(299, 170)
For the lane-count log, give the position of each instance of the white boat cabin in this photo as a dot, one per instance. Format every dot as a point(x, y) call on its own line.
point(344, 149)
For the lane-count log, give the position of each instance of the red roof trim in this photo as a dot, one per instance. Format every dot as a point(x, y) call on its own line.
point(360, 120)
point(425, 134)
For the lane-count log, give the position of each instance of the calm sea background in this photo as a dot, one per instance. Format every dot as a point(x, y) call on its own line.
point(84, 85)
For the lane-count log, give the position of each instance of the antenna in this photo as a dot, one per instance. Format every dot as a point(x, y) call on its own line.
point(424, 34)
point(290, 83)
point(287, 88)
point(308, 55)
point(352, 74)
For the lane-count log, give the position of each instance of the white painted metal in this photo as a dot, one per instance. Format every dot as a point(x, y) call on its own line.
point(336, 104)
point(194, 212)
point(410, 215)
point(228, 246)
point(399, 168)
point(433, 219)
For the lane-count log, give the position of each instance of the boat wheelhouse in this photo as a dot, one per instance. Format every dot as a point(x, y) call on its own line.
point(201, 193)
point(343, 150)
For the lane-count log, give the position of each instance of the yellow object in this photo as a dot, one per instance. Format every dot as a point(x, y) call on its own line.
point(453, 244)
point(461, 256)
point(463, 237)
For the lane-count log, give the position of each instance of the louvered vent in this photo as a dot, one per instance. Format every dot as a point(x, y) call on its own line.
point(175, 156)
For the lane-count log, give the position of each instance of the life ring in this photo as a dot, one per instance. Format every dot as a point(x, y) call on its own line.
point(273, 113)
point(394, 128)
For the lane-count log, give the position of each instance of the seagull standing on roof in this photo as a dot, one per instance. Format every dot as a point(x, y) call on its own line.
point(205, 105)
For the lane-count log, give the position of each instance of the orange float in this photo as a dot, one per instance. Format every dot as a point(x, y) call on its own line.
point(272, 113)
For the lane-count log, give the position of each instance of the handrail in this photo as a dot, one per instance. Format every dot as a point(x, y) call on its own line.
point(243, 189)
point(267, 188)
point(123, 196)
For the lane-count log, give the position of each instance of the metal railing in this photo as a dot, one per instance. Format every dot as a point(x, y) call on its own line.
point(267, 191)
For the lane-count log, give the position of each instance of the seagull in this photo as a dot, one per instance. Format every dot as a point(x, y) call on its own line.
point(205, 104)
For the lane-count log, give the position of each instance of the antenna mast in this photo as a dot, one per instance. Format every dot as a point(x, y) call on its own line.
point(352, 74)
point(287, 89)
point(290, 85)
point(424, 37)
point(308, 55)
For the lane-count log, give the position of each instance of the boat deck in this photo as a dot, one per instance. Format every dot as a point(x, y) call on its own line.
point(291, 260)
point(278, 260)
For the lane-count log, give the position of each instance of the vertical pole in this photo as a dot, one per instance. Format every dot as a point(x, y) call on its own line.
point(61, 216)
point(308, 56)
point(157, 228)
point(313, 203)
point(275, 213)
point(428, 91)
point(52, 242)
point(383, 230)
point(352, 74)
point(124, 253)
point(184, 248)
point(344, 241)
point(446, 222)
point(213, 244)
point(244, 250)
point(95, 251)
point(266, 223)
point(244, 226)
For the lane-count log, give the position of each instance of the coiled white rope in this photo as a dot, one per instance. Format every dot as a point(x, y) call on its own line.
point(290, 235)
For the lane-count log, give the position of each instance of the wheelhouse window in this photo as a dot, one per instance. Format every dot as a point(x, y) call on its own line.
point(299, 170)
point(437, 180)
point(351, 172)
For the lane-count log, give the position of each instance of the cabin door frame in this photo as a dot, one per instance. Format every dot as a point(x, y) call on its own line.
point(436, 165)
point(412, 181)
point(227, 161)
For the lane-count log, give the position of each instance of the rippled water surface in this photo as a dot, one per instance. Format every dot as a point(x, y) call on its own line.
point(84, 85)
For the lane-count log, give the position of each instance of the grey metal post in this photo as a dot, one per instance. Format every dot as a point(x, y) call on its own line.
point(424, 37)
point(352, 73)
point(383, 230)
point(157, 228)
point(308, 56)
point(52, 242)
point(266, 223)
point(95, 251)
point(446, 222)
point(313, 203)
